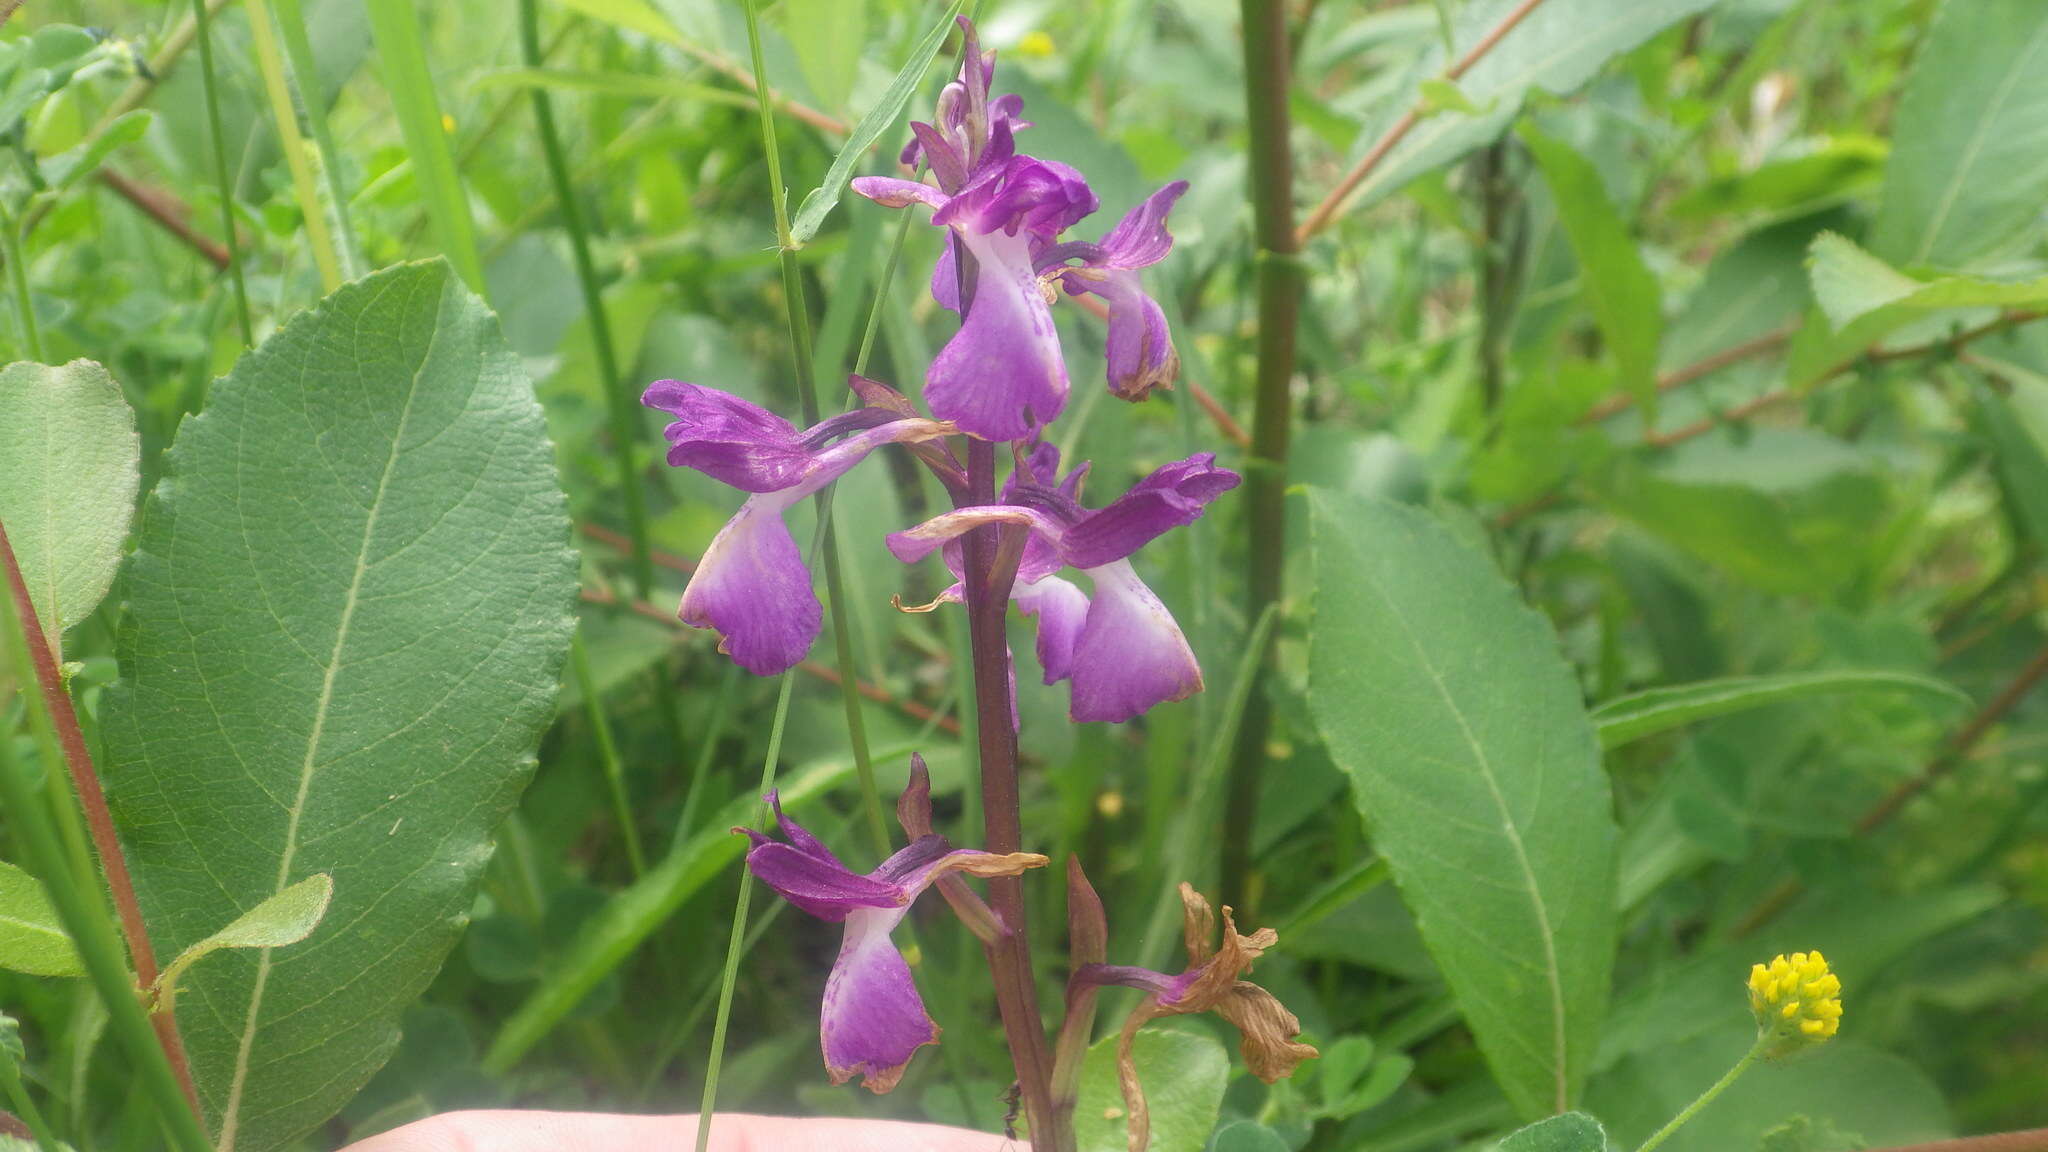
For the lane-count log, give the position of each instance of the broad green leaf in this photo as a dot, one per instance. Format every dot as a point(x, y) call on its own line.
point(607, 938)
point(1805, 177)
point(1969, 163)
point(286, 918)
point(67, 484)
point(1878, 1096)
point(1248, 1136)
point(1857, 289)
point(1447, 701)
point(1618, 288)
point(31, 938)
point(64, 169)
point(1786, 509)
point(1641, 714)
point(349, 607)
point(1557, 47)
point(810, 215)
point(827, 37)
point(1350, 1077)
point(1183, 1075)
point(1571, 1132)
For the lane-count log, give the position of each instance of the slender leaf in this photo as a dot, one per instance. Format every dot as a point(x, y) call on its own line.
point(1857, 290)
point(1624, 297)
point(818, 205)
point(633, 15)
point(1557, 47)
point(32, 940)
point(2018, 422)
point(1969, 162)
point(67, 484)
point(1447, 702)
point(1641, 714)
point(350, 607)
point(629, 918)
point(396, 26)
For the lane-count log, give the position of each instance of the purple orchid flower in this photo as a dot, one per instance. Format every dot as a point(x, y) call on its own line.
point(1002, 373)
point(1120, 650)
point(1212, 982)
point(751, 585)
point(873, 1020)
point(1140, 349)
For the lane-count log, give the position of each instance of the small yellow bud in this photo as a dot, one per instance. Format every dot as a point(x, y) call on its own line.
point(1797, 1001)
point(1110, 805)
point(448, 124)
point(1036, 45)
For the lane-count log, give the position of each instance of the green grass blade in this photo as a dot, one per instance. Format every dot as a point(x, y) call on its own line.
point(277, 90)
point(395, 31)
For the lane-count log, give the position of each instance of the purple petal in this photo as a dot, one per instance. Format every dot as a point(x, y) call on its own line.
point(948, 166)
point(1018, 193)
point(1140, 355)
point(1061, 610)
point(946, 277)
point(1173, 495)
point(895, 192)
point(800, 837)
point(752, 587)
point(824, 890)
point(914, 544)
point(873, 1019)
point(1168, 988)
point(1130, 654)
point(1001, 373)
point(1140, 238)
point(727, 438)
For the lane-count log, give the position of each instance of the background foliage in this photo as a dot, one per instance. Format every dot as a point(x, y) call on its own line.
point(1681, 348)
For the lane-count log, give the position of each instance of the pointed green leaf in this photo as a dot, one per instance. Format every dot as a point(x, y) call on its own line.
point(2018, 422)
point(1619, 290)
point(31, 938)
point(1571, 1132)
point(810, 215)
point(1641, 714)
point(1855, 288)
point(350, 605)
point(67, 484)
point(1183, 1076)
point(1447, 702)
point(1969, 162)
point(286, 918)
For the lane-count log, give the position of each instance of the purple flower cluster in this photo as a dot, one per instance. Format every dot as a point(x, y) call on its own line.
point(1002, 377)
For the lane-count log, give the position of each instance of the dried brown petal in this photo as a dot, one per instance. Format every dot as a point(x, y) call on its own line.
point(1269, 1046)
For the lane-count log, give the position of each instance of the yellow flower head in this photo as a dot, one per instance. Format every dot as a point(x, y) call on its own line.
point(1797, 1001)
point(1035, 45)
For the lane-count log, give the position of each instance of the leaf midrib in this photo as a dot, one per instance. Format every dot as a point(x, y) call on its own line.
point(1551, 974)
point(1976, 146)
point(230, 1112)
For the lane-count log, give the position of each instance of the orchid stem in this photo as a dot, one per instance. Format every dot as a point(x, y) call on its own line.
point(737, 943)
point(1266, 72)
point(807, 396)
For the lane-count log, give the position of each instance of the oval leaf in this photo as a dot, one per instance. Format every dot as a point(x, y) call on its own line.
point(1183, 1075)
point(1641, 714)
point(1571, 1132)
point(350, 606)
point(286, 918)
point(67, 484)
point(1447, 702)
point(31, 938)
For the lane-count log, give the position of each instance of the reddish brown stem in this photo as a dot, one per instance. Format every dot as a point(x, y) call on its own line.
point(1333, 204)
point(1679, 377)
point(85, 783)
point(2030, 1140)
point(168, 211)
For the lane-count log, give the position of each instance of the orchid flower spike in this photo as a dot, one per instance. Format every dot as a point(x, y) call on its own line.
point(752, 585)
point(1120, 650)
point(873, 1020)
point(1210, 984)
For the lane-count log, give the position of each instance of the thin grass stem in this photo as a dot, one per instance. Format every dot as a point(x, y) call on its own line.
point(203, 21)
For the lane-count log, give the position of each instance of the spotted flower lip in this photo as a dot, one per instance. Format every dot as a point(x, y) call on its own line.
point(1121, 651)
point(873, 1020)
point(752, 586)
point(1211, 983)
